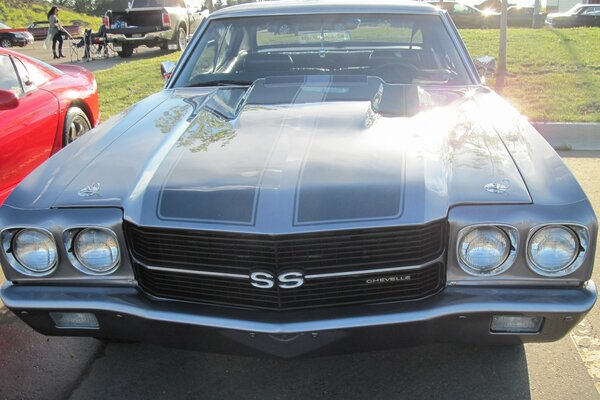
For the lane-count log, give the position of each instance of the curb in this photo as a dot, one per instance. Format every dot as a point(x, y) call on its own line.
point(570, 136)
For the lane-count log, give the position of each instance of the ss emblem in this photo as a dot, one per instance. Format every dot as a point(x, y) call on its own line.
point(285, 280)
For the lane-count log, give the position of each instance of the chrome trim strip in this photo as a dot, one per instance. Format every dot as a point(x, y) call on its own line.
point(313, 276)
point(204, 273)
point(365, 272)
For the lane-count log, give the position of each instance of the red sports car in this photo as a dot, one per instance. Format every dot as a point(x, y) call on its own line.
point(42, 109)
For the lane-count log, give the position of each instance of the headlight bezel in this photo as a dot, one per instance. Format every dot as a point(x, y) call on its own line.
point(511, 233)
point(581, 234)
point(69, 237)
point(7, 237)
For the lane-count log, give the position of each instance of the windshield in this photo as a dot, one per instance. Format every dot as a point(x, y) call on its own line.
point(157, 3)
point(47, 66)
point(574, 9)
point(402, 49)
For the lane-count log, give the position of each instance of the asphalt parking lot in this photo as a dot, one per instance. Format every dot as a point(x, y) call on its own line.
point(33, 366)
point(75, 56)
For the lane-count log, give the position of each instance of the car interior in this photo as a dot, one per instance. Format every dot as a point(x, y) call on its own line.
point(411, 52)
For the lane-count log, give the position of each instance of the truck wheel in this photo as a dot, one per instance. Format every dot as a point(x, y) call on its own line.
point(126, 52)
point(76, 124)
point(5, 43)
point(284, 29)
point(181, 38)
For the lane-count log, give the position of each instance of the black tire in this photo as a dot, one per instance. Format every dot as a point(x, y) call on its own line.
point(5, 43)
point(76, 124)
point(285, 29)
point(126, 52)
point(181, 38)
point(339, 27)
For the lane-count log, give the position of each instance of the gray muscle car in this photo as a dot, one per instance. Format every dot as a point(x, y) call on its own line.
point(318, 191)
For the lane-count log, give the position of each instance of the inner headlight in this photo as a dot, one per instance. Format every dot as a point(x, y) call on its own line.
point(552, 250)
point(483, 250)
point(35, 250)
point(97, 249)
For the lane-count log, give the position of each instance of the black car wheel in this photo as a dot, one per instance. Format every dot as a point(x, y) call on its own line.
point(181, 38)
point(76, 124)
point(126, 52)
point(5, 43)
point(284, 29)
point(339, 27)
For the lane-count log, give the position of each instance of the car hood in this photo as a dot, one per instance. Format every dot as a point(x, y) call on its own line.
point(279, 158)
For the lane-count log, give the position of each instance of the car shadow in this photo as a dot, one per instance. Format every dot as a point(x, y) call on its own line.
point(440, 371)
point(100, 63)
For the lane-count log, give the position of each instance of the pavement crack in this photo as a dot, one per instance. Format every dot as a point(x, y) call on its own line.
point(100, 351)
point(587, 343)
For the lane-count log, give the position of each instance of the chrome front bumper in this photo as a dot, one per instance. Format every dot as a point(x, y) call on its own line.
point(457, 314)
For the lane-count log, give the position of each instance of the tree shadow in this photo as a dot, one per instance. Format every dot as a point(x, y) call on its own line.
point(587, 81)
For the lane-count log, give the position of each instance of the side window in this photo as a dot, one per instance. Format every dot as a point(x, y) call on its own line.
point(8, 76)
point(460, 9)
point(206, 62)
point(592, 10)
point(24, 75)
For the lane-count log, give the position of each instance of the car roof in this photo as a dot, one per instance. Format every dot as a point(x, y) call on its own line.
point(293, 7)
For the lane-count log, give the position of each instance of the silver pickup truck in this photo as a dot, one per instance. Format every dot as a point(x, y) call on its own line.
point(154, 23)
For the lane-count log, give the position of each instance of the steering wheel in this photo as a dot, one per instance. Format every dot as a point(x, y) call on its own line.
point(395, 72)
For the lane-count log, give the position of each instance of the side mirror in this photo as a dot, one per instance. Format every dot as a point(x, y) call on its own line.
point(8, 100)
point(166, 69)
point(485, 65)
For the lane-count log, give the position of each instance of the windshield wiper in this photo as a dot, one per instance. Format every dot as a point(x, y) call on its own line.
point(221, 82)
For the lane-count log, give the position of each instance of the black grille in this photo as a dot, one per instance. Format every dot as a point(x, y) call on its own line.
point(311, 253)
point(317, 293)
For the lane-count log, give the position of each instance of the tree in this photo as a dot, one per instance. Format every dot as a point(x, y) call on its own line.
point(537, 5)
point(502, 49)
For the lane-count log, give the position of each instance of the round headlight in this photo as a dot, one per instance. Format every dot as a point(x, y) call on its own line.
point(35, 250)
point(482, 250)
point(97, 250)
point(552, 249)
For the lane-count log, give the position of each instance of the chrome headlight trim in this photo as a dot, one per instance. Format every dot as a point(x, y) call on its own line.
point(69, 237)
point(581, 234)
point(7, 237)
point(511, 233)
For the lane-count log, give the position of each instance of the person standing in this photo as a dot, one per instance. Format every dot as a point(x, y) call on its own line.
point(55, 31)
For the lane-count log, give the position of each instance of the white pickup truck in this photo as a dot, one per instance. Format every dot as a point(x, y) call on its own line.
point(154, 23)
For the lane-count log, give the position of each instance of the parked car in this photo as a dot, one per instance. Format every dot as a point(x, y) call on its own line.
point(42, 109)
point(39, 30)
point(522, 16)
point(579, 15)
point(167, 24)
point(466, 16)
point(319, 193)
point(14, 37)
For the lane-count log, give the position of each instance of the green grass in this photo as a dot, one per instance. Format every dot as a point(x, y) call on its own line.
point(554, 75)
point(125, 84)
point(20, 13)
